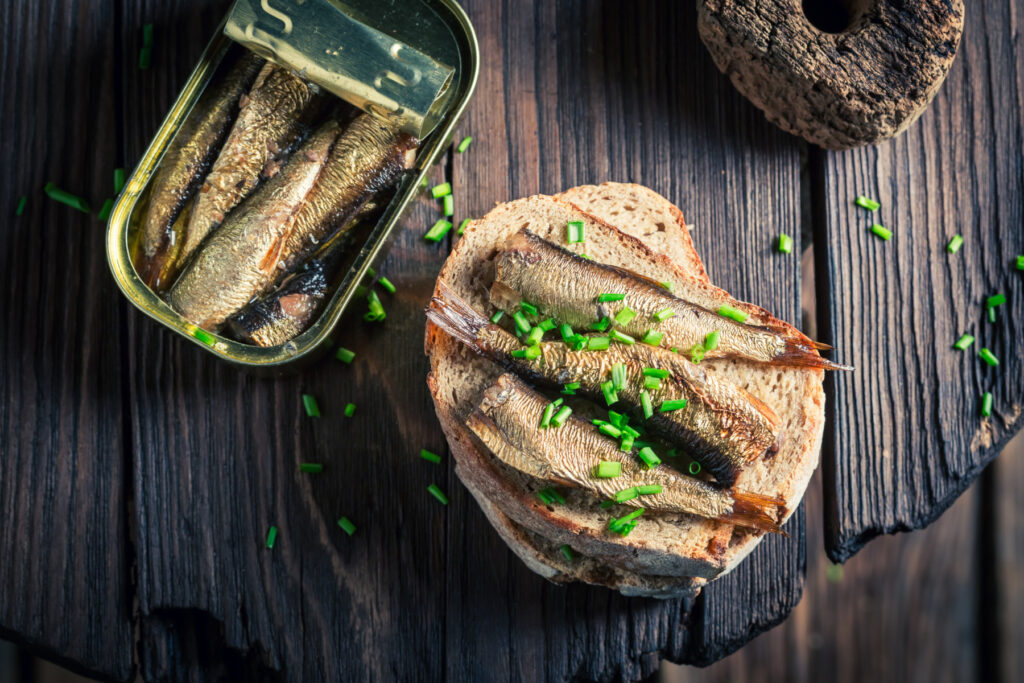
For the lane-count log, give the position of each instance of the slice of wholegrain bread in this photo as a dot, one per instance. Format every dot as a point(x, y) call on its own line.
point(662, 546)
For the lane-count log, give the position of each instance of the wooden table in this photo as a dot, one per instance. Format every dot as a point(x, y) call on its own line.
point(138, 477)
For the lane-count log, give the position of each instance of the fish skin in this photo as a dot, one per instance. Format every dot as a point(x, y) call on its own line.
point(273, 115)
point(187, 158)
point(567, 286)
point(239, 261)
point(506, 421)
point(722, 426)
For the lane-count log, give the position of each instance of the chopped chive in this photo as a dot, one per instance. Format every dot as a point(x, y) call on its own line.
point(608, 389)
point(570, 388)
point(601, 325)
point(649, 489)
point(462, 226)
point(147, 34)
point(995, 300)
point(464, 145)
point(697, 353)
point(627, 442)
point(436, 493)
point(375, 307)
point(566, 330)
point(673, 453)
point(624, 495)
point(988, 357)
point(311, 467)
point(629, 429)
point(547, 325)
point(59, 195)
point(617, 419)
point(649, 457)
point(646, 403)
point(579, 342)
point(660, 373)
point(105, 210)
point(586, 256)
point(574, 232)
point(567, 552)
point(438, 231)
point(608, 469)
point(667, 285)
point(674, 404)
point(986, 404)
point(386, 284)
point(623, 525)
point(1020, 261)
point(694, 468)
point(598, 343)
point(545, 418)
point(711, 341)
point(527, 308)
point(663, 315)
point(561, 416)
point(608, 296)
point(964, 342)
point(371, 273)
point(271, 536)
point(619, 376)
point(992, 315)
point(954, 244)
point(536, 334)
point(204, 336)
point(621, 338)
point(544, 496)
point(361, 291)
point(442, 190)
point(145, 56)
point(496, 318)
point(652, 383)
point(609, 430)
point(448, 205)
point(623, 317)
point(345, 355)
point(882, 231)
point(350, 409)
point(21, 205)
point(347, 526)
point(522, 324)
point(785, 243)
point(529, 353)
point(118, 180)
point(430, 456)
point(555, 496)
point(310, 404)
point(866, 203)
point(423, 183)
point(732, 313)
point(652, 337)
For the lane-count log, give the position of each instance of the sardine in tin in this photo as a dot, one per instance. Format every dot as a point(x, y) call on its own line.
point(434, 34)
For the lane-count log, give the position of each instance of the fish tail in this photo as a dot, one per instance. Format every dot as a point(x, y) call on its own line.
point(456, 317)
point(803, 354)
point(757, 511)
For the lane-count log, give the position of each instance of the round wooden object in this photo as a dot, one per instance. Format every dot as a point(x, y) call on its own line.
point(864, 84)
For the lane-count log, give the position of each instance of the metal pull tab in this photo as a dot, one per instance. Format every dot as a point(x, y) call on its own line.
point(356, 62)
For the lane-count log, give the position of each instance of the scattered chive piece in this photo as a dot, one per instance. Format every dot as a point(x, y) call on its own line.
point(617, 419)
point(652, 337)
point(627, 443)
point(105, 210)
point(536, 334)
point(145, 55)
point(632, 431)
point(995, 300)
point(605, 504)
point(545, 418)
point(566, 331)
point(649, 457)
point(496, 318)
point(311, 467)
point(623, 525)
point(21, 205)
point(118, 180)
point(619, 376)
point(436, 493)
point(652, 383)
point(578, 342)
point(147, 34)
point(527, 308)
point(646, 403)
point(606, 297)
point(529, 353)
point(423, 182)
point(347, 526)
point(866, 203)
point(587, 256)
point(674, 404)
point(570, 388)
point(522, 324)
point(660, 373)
point(547, 325)
point(59, 195)
point(1020, 262)
point(310, 404)
point(621, 338)
point(204, 336)
point(608, 469)
point(561, 416)
point(549, 496)
point(624, 495)
point(430, 456)
point(649, 489)
point(442, 190)
point(345, 355)
point(988, 357)
point(567, 551)
point(697, 353)
point(711, 341)
point(448, 205)
point(462, 226)
point(598, 343)
point(608, 389)
point(601, 325)
point(785, 243)
point(732, 313)
point(667, 285)
point(694, 468)
point(464, 145)
point(992, 315)
point(954, 244)
point(986, 404)
point(271, 536)
point(386, 284)
point(610, 430)
point(882, 231)
point(371, 273)
point(361, 291)
point(964, 342)
point(350, 409)
point(663, 315)
point(574, 232)
point(624, 316)
point(376, 308)
point(438, 231)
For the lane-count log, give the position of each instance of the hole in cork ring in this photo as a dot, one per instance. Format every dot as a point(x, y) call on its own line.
point(834, 16)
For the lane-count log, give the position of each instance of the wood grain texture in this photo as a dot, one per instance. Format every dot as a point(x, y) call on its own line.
point(62, 447)
point(905, 434)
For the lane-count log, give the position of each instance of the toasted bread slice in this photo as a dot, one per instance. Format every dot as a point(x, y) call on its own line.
point(666, 545)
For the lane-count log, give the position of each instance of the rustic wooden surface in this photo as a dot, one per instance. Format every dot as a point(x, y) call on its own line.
point(135, 468)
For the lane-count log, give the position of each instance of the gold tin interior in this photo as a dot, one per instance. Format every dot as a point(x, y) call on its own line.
point(439, 28)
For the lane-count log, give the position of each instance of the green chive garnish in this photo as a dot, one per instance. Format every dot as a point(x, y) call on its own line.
point(623, 317)
point(625, 494)
point(711, 341)
point(646, 403)
point(649, 457)
point(621, 338)
point(598, 343)
point(567, 551)
point(697, 353)
point(866, 203)
point(527, 308)
point(438, 231)
point(601, 325)
point(964, 342)
point(350, 409)
point(529, 353)
point(204, 336)
point(430, 456)
point(59, 195)
point(310, 404)
point(375, 307)
point(995, 300)
point(606, 297)
point(954, 244)
point(986, 404)
point(578, 342)
point(536, 334)
point(345, 355)
point(522, 324)
point(608, 469)
point(386, 284)
point(118, 180)
point(1020, 262)
point(667, 285)
point(145, 56)
point(732, 313)
point(609, 430)
point(623, 525)
point(271, 536)
point(619, 376)
point(550, 496)
point(561, 416)
point(347, 526)
point(105, 210)
point(992, 314)
point(617, 419)
point(785, 243)
point(649, 489)
point(545, 418)
point(147, 34)
point(547, 325)
point(464, 145)
point(448, 205)
point(663, 315)
point(589, 258)
point(882, 231)
point(694, 468)
point(574, 232)
point(674, 404)
point(652, 337)
point(21, 205)
point(570, 388)
point(496, 318)
point(660, 373)
point(608, 389)
point(652, 383)
point(462, 226)
point(627, 443)
point(311, 467)
point(566, 331)
point(442, 190)
point(436, 493)
point(988, 357)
